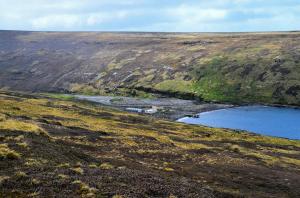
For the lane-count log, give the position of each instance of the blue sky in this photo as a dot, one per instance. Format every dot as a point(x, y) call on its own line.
point(151, 15)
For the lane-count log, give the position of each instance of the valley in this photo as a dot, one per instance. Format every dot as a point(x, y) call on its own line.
point(235, 68)
point(93, 114)
point(61, 147)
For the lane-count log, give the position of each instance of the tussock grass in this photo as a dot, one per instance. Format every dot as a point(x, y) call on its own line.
point(106, 166)
point(35, 162)
point(189, 146)
point(2, 117)
point(87, 135)
point(84, 189)
point(3, 178)
point(70, 116)
point(64, 165)
point(168, 169)
point(93, 165)
point(129, 142)
point(16, 125)
point(22, 144)
point(234, 148)
point(20, 174)
point(62, 176)
point(7, 153)
point(291, 161)
point(77, 170)
point(35, 181)
point(117, 196)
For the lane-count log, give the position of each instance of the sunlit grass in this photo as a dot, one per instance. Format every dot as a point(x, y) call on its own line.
point(7, 153)
point(16, 125)
point(124, 127)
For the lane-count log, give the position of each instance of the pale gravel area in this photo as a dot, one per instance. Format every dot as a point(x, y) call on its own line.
point(173, 108)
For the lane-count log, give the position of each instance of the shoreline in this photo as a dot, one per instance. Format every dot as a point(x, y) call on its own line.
point(172, 108)
point(169, 108)
point(176, 113)
point(180, 112)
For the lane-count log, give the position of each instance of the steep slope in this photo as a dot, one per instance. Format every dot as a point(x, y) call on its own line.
point(56, 148)
point(248, 67)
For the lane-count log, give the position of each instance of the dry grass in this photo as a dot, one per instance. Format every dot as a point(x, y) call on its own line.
point(78, 170)
point(7, 153)
point(64, 165)
point(16, 125)
point(20, 174)
point(168, 169)
point(117, 196)
point(62, 176)
point(84, 190)
point(22, 144)
point(106, 166)
point(3, 178)
point(35, 162)
point(85, 135)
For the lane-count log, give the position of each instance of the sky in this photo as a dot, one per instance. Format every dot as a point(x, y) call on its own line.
point(150, 15)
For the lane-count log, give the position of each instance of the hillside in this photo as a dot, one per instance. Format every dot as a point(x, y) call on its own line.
point(51, 147)
point(236, 68)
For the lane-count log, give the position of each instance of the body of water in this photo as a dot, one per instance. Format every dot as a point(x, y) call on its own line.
point(272, 121)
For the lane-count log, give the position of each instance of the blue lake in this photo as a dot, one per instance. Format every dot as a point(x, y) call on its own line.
point(272, 121)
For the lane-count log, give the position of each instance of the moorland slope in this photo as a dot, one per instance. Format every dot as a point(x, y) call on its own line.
point(58, 148)
point(229, 67)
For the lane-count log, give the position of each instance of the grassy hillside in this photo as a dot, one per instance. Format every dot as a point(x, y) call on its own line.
point(55, 147)
point(237, 67)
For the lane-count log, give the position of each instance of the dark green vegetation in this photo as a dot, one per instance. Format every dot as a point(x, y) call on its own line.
point(236, 68)
point(53, 147)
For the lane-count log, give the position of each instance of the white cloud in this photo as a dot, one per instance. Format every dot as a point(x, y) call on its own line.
point(98, 18)
point(150, 15)
point(198, 14)
point(66, 21)
point(192, 18)
point(53, 21)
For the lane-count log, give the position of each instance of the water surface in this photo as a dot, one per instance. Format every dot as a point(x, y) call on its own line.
point(273, 121)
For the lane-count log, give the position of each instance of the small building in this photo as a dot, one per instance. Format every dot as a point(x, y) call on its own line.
point(196, 116)
point(152, 110)
point(137, 110)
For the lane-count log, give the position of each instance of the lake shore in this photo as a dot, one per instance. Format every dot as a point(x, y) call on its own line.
point(83, 141)
point(168, 108)
point(273, 121)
